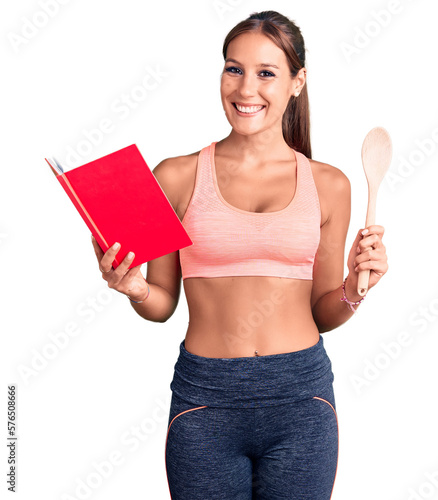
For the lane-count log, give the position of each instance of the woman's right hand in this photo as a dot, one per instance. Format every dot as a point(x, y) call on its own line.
point(127, 281)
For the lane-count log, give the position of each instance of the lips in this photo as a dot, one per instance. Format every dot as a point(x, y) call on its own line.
point(248, 108)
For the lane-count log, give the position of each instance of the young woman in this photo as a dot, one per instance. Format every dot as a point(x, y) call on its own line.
point(253, 411)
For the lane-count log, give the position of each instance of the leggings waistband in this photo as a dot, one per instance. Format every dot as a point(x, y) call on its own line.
point(251, 382)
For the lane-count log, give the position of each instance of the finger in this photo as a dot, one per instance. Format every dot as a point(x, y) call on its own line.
point(97, 250)
point(123, 267)
point(133, 270)
point(370, 256)
point(372, 241)
point(375, 229)
point(99, 254)
point(379, 267)
point(108, 258)
point(107, 275)
point(358, 238)
point(365, 256)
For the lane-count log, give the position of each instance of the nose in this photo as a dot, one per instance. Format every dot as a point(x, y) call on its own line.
point(248, 85)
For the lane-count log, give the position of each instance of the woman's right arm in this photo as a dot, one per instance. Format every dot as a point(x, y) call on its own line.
point(164, 280)
point(163, 273)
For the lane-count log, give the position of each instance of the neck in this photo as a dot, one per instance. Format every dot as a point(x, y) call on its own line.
point(258, 147)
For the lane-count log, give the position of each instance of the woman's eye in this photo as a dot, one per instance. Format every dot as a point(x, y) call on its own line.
point(237, 71)
point(232, 69)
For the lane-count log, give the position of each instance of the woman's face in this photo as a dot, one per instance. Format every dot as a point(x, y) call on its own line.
point(256, 84)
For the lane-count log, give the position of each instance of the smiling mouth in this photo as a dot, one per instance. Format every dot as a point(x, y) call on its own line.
point(248, 109)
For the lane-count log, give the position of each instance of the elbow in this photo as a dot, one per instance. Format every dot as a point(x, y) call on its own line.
point(322, 327)
point(169, 313)
point(163, 320)
point(325, 327)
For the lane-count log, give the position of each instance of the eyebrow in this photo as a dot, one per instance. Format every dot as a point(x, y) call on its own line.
point(269, 65)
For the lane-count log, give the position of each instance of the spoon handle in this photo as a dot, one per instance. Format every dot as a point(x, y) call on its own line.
point(364, 276)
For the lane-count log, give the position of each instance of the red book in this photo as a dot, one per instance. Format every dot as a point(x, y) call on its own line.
point(120, 200)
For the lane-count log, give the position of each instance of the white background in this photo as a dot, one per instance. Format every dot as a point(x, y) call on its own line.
point(80, 407)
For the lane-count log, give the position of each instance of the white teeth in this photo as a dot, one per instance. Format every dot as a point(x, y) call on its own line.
point(249, 109)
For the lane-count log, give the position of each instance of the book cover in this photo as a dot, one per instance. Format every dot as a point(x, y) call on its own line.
point(119, 199)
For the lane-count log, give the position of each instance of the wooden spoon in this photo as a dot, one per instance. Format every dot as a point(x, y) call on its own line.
point(376, 158)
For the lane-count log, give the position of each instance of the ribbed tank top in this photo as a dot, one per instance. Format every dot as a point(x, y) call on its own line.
point(229, 241)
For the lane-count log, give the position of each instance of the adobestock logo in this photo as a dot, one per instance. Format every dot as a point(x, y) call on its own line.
point(255, 318)
point(31, 27)
point(58, 341)
point(406, 167)
point(121, 107)
point(427, 489)
point(364, 35)
point(3, 238)
point(131, 440)
point(393, 349)
point(383, 360)
point(223, 7)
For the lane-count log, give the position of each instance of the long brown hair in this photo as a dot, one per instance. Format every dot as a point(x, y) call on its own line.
point(287, 36)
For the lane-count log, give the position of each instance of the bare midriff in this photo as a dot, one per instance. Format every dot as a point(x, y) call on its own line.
point(242, 316)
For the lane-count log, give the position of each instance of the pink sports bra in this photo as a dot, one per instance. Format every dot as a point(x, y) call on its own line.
point(228, 241)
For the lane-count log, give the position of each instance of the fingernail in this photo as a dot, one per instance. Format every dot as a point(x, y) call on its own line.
point(130, 255)
point(116, 246)
point(365, 231)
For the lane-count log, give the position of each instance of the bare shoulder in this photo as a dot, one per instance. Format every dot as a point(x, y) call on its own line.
point(174, 176)
point(333, 186)
point(328, 176)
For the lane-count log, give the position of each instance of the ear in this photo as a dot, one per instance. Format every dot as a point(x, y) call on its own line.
point(299, 82)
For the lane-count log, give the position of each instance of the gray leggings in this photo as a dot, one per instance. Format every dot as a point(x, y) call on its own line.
point(250, 428)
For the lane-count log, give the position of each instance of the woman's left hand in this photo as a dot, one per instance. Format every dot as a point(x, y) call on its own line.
point(368, 252)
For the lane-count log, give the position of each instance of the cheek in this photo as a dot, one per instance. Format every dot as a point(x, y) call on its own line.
point(275, 95)
point(281, 102)
point(226, 86)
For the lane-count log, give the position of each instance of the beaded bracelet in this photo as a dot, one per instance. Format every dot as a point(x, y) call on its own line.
point(140, 301)
point(349, 302)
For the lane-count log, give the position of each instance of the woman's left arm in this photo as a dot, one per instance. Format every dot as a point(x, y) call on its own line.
point(328, 310)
